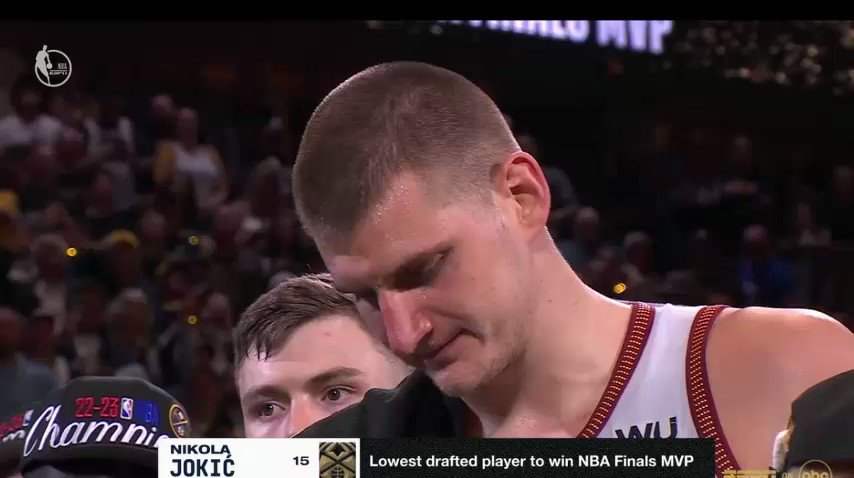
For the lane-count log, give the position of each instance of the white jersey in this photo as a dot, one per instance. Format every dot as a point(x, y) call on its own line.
point(659, 387)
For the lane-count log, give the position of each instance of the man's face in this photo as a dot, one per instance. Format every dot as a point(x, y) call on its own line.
point(443, 286)
point(325, 366)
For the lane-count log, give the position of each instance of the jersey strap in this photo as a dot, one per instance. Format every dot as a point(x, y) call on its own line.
point(700, 399)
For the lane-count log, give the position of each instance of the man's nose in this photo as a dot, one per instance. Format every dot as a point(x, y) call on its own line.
point(303, 414)
point(404, 327)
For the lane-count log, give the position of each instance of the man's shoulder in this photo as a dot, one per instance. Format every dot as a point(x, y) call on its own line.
point(759, 360)
point(783, 339)
point(415, 408)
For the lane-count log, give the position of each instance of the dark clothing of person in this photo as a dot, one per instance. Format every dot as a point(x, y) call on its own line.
point(416, 408)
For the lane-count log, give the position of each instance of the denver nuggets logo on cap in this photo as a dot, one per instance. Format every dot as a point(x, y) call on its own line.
point(178, 421)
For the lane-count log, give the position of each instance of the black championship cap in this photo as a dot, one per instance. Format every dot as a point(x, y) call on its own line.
point(102, 425)
point(823, 423)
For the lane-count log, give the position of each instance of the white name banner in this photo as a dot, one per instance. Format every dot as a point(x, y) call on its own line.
point(257, 458)
point(636, 35)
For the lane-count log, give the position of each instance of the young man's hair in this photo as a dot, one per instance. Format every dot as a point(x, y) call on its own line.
point(267, 324)
point(389, 119)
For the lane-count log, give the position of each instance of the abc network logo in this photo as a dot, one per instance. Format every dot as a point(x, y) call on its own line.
point(53, 67)
point(812, 469)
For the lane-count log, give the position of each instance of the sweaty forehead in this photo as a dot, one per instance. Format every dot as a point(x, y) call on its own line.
point(405, 222)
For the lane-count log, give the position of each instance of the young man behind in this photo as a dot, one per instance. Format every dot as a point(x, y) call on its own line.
point(303, 354)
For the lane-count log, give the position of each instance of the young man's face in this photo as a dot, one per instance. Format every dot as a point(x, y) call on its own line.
point(326, 365)
point(446, 287)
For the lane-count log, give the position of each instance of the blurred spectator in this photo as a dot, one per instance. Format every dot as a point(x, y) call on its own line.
point(116, 157)
point(99, 214)
point(124, 263)
point(683, 288)
point(86, 344)
point(707, 272)
point(13, 294)
point(744, 197)
point(215, 325)
point(177, 203)
point(204, 396)
point(41, 347)
point(840, 205)
point(563, 193)
point(274, 145)
point(698, 193)
point(13, 160)
point(806, 231)
point(42, 172)
point(198, 162)
point(24, 381)
point(46, 273)
point(65, 107)
point(107, 126)
point(225, 266)
point(605, 272)
point(155, 240)
point(586, 240)
point(640, 259)
point(76, 165)
point(130, 322)
point(765, 278)
point(159, 126)
point(28, 124)
point(55, 219)
point(269, 190)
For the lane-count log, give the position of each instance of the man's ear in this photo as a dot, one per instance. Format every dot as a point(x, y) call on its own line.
point(521, 180)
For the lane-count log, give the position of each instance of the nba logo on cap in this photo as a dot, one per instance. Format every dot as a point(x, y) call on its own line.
point(127, 408)
point(27, 417)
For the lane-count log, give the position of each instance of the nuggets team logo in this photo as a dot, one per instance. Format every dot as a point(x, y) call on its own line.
point(337, 460)
point(178, 421)
point(53, 67)
point(127, 408)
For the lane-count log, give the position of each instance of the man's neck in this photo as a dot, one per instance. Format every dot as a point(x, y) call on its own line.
point(574, 337)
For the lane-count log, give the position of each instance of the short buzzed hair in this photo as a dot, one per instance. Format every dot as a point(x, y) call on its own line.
point(267, 324)
point(389, 119)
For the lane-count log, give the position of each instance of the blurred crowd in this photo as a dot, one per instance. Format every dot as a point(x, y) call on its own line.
point(131, 242)
point(127, 248)
point(805, 54)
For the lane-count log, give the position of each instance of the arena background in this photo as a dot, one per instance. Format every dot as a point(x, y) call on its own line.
point(718, 171)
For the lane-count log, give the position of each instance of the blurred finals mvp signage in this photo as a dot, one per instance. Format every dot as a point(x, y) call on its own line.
point(644, 36)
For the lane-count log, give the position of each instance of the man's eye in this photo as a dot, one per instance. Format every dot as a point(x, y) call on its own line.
point(423, 275)
point(268, 409)
point(336, 393)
